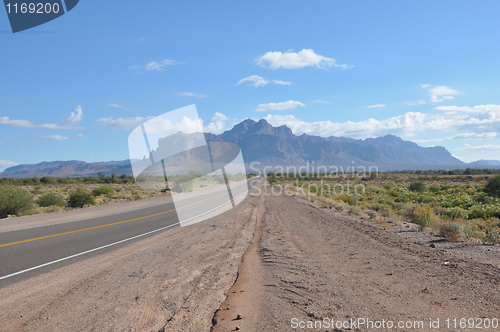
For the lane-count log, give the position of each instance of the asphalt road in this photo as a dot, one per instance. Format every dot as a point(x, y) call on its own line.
point(29, 252)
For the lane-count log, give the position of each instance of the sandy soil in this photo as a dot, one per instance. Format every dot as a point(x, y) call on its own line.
point(256, 268)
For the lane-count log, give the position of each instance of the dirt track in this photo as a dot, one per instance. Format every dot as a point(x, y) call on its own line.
point(276, 259)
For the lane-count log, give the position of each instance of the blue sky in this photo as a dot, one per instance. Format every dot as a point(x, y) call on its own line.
point(75, 87)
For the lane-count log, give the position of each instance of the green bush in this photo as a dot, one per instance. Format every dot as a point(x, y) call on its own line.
point(417, 186)
point(493, 186)
point(48, 180)
point(51, 199)
point(80, 198)
point(434, 189)
point(372, 214)
point(104, 190)
point(457, 213)
point(14, 202)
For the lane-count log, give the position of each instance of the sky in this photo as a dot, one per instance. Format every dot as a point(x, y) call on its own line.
point(427, 71)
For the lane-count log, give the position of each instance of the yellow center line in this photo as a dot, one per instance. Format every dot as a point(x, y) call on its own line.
point(107, 225)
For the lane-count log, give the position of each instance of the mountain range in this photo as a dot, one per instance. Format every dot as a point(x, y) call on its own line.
point(264, 145)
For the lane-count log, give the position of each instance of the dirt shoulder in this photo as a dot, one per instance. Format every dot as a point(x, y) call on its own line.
point(317, 265)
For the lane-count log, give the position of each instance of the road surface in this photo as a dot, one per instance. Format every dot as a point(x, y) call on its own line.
point(28, 252)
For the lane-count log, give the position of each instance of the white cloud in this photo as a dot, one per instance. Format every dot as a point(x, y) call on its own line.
point(418, 102)
point(54, 137)
point(6, 121)
point(80, 135)
point(436, 99)
point(425, 85)
point(371, 127)
point(428, 140)
point(217, 123)
point(122, 123)
point(294, 60)
point(483, 119)
point(155, 66)
point(442, 90)
point(376, 106)
point(281, 82)
point(489, 135)
point(115, 105)
point(440, 93)
point(481, 148)
point(74, 117)
point(160, 66)
point(463, 136)
point(191, 94)
point(321, 101)
point(69, 123)
point(282, 106)
point(256, 80)
point(4, 164)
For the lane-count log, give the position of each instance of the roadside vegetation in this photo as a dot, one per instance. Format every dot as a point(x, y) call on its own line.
point(457, 204)
point(19, 197)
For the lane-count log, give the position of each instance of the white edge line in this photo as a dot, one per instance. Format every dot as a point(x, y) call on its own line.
point(180, 222)
point(107, 245)
point(85, 252)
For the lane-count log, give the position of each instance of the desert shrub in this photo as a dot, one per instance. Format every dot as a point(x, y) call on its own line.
point(451, 231)
point(372, 214)
point(49, 199)
point(457, 213)
point(63, 180)
point(315, 189)
point(407, 211)
point(493, 186)
point(485, 211)
point(434, 189)
point(344, 197)
point(104, 190)
point(219, 178)
point(339, 207)
point(417, 186)
point(423, 216)
point(48, 180)
point(80, 198)
point(355, 211)
point(492, 236)
point(182, 187)
point(385, 211)
point(14, 202)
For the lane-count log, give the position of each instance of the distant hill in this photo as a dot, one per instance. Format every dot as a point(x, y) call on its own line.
point(278, 146)
point(264, 145)
point(484, 162)
point(68, 169)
